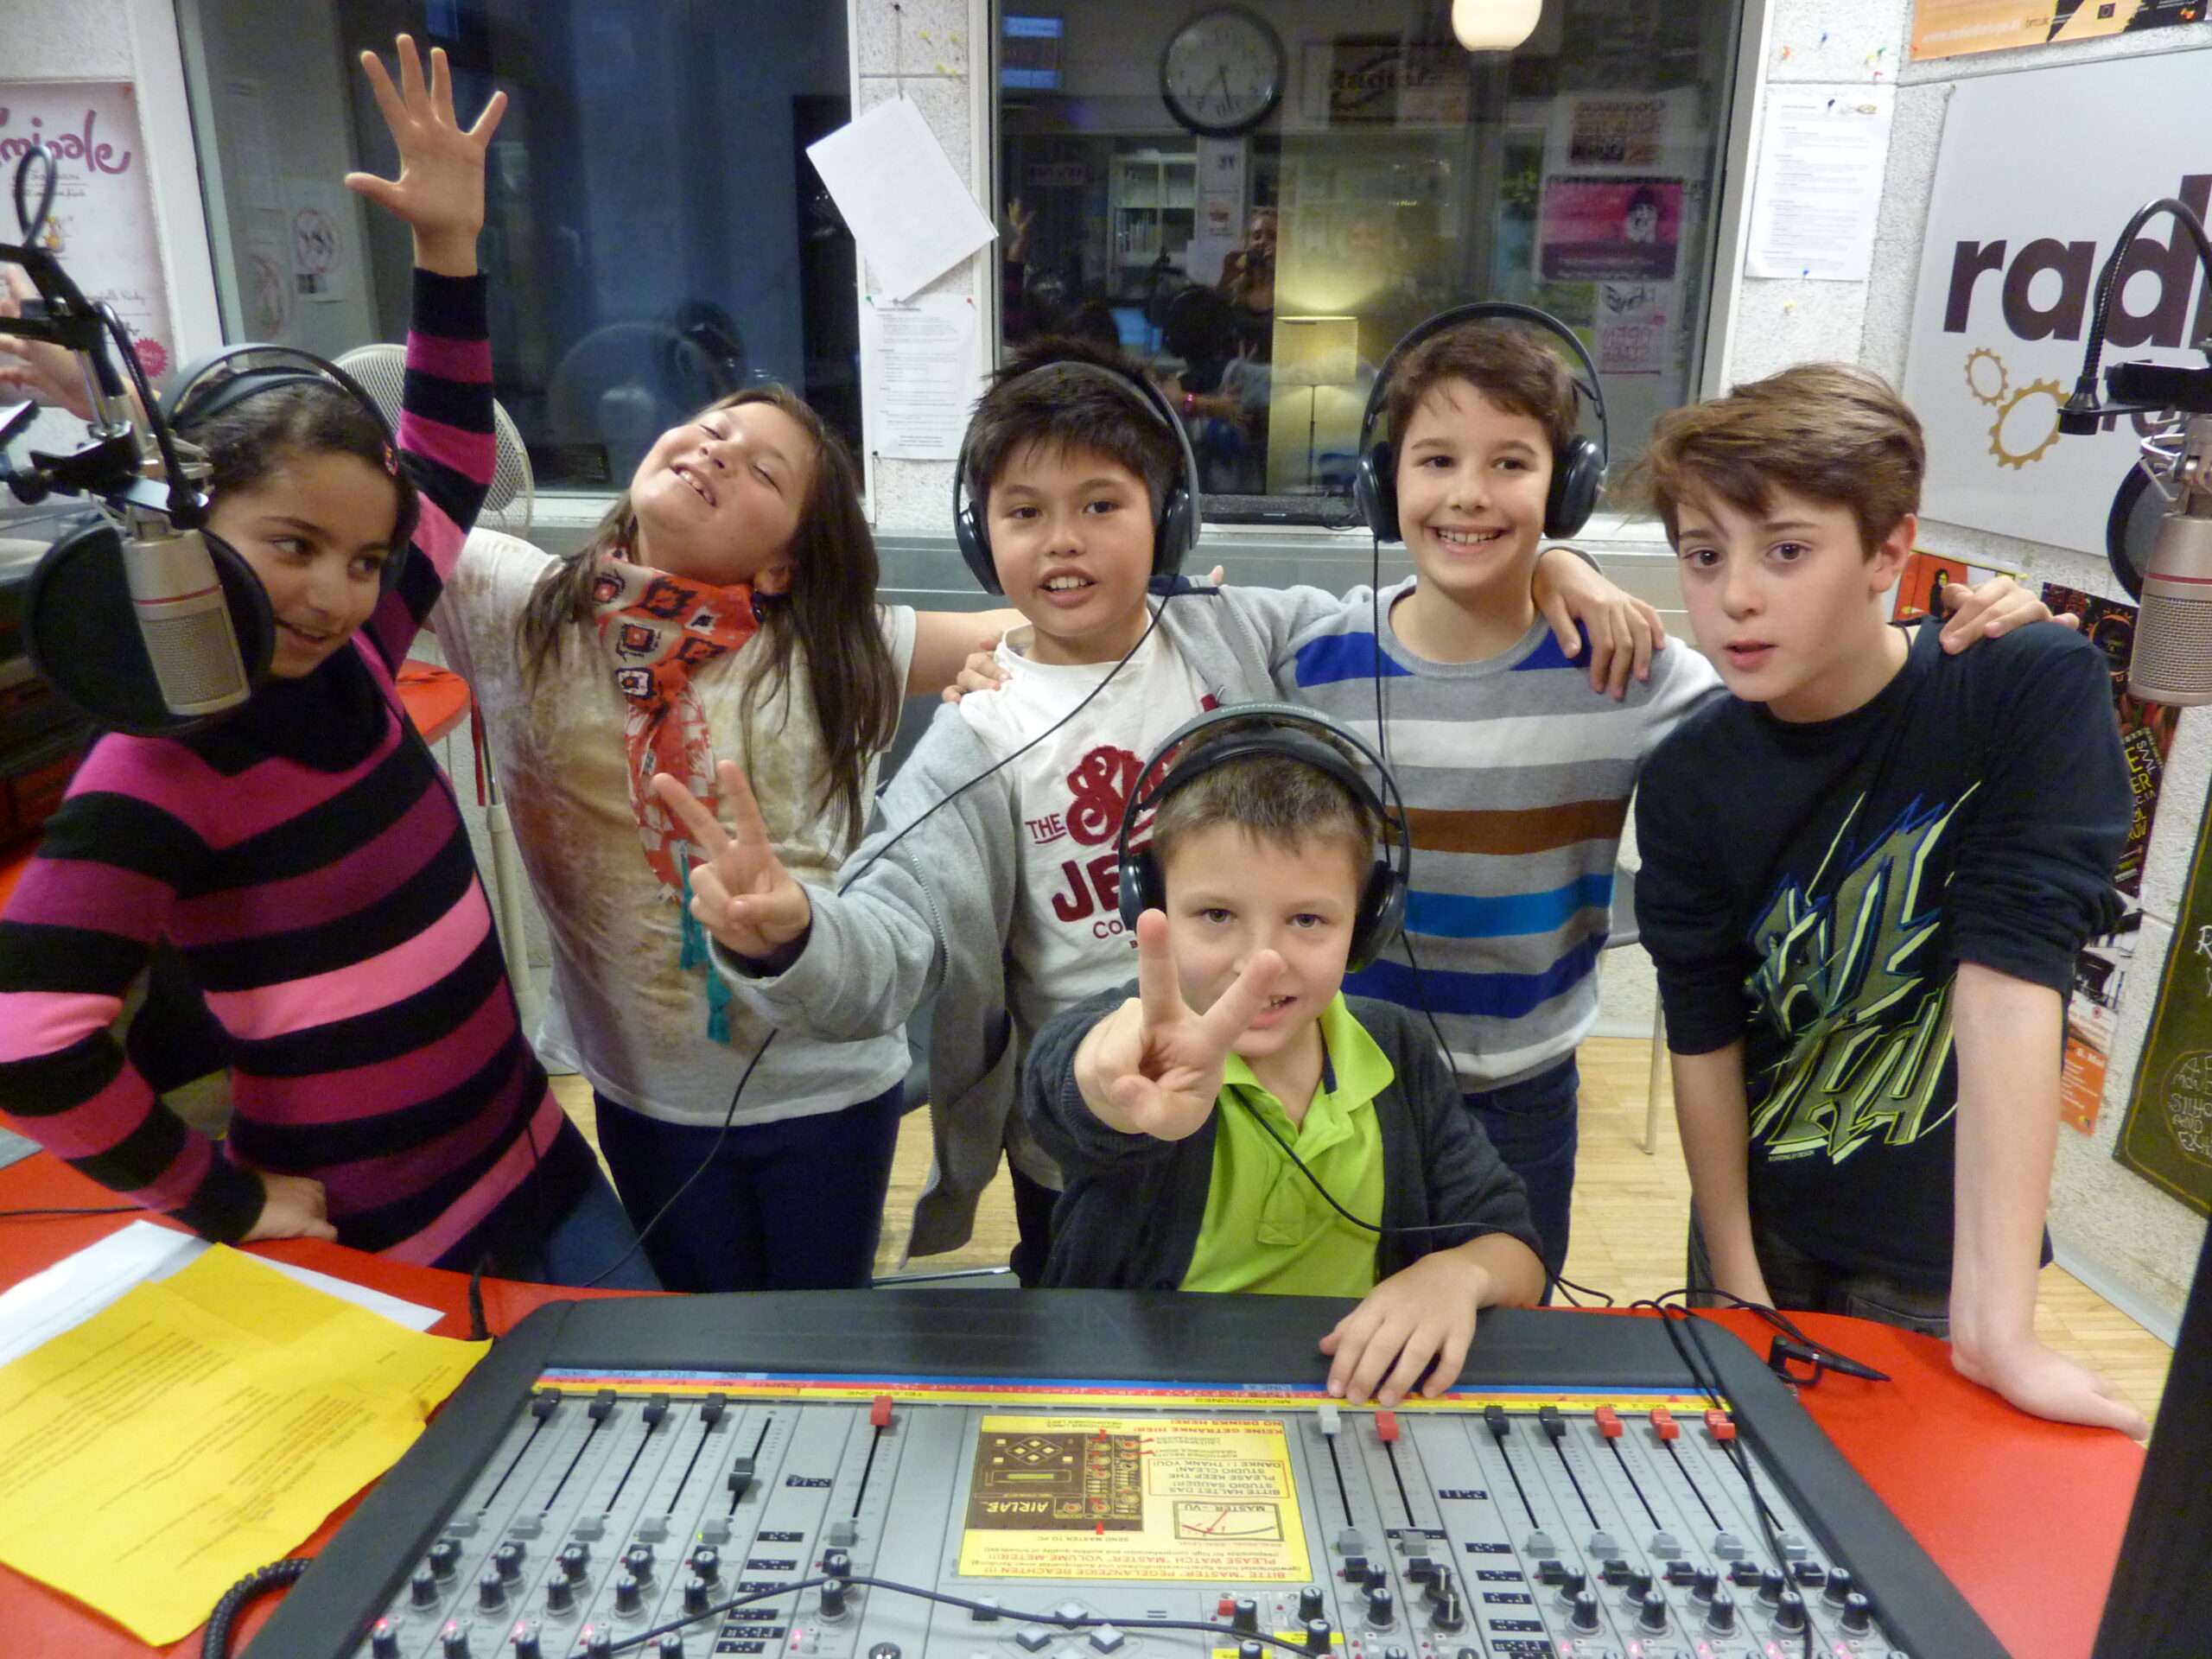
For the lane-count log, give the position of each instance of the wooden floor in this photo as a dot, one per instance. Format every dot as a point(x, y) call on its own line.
point(1630, 1213)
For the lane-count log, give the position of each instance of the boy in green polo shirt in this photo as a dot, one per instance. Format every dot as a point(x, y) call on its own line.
point(1181, 1116)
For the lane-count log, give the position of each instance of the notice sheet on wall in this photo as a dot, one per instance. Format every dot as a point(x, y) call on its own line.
point(1820, 183)
point(918, 363)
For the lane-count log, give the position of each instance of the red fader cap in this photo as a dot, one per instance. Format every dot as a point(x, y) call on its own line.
point(1664, 1421)
point(1609, 1422)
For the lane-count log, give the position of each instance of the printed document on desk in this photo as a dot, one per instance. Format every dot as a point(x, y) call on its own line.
point(200, 1427)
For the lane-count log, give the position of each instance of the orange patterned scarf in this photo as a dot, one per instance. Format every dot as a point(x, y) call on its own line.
point(661, 630)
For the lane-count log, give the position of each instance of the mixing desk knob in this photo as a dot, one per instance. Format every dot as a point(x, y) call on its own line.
point(559, 1597)
point(384, 1641)
point(1839, 1586)
point(1857, 1615)
point(1244, 1617)
point(1651, 1613)
point(1571, 1582)
point(1310, 1602)
point(444, 1557)
point(833, 1599)
point(629, 1594)
point(1720, 1617)
point(525, 1643)
point(1318, 1636)
point(1789, 1613)
point(491, 1593)
point(453, 1641)
point(573, 1562)
point(672, 1645)
point(884, 1650)
point(1635, 1584)
point(639, 1560)
point(422, 1590)
point(1706, 1585)
point(1395, 1653)
point(1382, 1609)
point(1583, 1621)
point(507, 1561)
point(1451, 1613)
point(1250, 1650)
point(707, 1562)
point(598, 1643)
point(698, 1596)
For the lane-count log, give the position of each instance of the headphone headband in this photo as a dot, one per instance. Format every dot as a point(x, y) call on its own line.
point(1297, 734)
point(1175, 516)
point(1486, 311)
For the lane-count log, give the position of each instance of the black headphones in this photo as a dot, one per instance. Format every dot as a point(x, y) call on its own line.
point(1278, 728)
point(1175, 520)
point(223, 379)
point(1578, 470)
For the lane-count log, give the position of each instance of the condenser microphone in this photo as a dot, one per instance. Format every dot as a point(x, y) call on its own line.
point(184, 621)
point(2172, 662)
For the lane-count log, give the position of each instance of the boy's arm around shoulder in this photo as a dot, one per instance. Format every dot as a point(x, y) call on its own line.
point(937, 880)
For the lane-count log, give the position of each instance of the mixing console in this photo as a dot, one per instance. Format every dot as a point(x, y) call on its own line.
point(603, 1504)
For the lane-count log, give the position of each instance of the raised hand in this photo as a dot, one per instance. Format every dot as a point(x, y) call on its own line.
point(1153, 1066)
point(439, 189)
point(741, 895)
point(1990, 608)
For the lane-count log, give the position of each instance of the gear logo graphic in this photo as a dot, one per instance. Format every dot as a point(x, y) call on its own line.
point(1979, 362)
point(2022, 432)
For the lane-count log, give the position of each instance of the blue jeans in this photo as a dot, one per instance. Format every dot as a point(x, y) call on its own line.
point(595, 1238)
point(1533, 1125)
point(797, 1204)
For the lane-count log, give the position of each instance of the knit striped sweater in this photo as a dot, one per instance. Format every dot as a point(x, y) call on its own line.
point(308, 862)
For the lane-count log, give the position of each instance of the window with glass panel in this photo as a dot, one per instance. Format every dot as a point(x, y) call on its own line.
point(654, 233)
point(1259, 200)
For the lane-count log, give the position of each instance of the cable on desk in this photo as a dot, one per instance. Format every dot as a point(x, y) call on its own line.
point(40, 1214)
point(216, 1644)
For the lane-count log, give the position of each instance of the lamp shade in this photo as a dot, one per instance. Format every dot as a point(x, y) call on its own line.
point(1495, 25)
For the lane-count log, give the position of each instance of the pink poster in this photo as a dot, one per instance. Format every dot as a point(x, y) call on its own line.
point(102, 225)
point(1610, 230)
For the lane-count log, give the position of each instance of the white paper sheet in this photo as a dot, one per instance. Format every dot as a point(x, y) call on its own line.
point(78, 1286)
point(907, 207)
point(918, 361)
point(1822, 155)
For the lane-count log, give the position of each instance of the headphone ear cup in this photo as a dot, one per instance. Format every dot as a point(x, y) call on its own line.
point(1578, 480)
point(974, 541)
point(1375, 490)
point(1382, 910)
point(1175, 534)
point(1137, 888)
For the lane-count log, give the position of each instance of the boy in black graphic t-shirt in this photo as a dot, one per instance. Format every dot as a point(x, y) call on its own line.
point(1871, 845)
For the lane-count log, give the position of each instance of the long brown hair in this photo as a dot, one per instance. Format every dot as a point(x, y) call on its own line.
point(829, 610)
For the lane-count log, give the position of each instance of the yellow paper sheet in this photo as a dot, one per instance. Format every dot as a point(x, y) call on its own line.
point(200, 1427)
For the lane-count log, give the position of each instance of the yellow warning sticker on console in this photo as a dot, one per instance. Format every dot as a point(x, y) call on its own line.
point(1152, 1498)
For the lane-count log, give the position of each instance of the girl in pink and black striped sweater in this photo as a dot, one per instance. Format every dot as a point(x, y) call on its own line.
point(307, 859)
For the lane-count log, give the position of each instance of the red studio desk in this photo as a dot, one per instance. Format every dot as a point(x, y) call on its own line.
point(2024, 1516)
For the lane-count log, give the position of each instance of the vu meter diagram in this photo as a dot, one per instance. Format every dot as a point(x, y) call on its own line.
point(1159, 1498)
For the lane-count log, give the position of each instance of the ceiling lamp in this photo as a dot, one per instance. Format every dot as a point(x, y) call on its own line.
point(1495, 25)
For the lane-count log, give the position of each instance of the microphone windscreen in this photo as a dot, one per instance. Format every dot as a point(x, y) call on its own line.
point(79, 631)
point(2172, 662)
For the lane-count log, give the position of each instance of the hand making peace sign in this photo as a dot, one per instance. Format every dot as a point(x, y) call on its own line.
point(742, 894)
point(1153, 1066)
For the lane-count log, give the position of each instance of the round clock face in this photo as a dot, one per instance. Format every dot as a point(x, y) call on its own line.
point(1222, 72)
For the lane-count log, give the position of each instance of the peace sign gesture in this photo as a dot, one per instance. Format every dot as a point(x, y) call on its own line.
point(742, 894)
point(439, 189)
point(1153, 1066)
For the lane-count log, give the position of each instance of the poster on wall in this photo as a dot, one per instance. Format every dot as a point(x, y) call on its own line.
point(1920, 590)
point(2026, 207)
point(1822, 154)
point(1610, 230)
point(102, 225)
point(2167, 1136)
point(1951, 28)
point(2147, 733)
point(1632, 328)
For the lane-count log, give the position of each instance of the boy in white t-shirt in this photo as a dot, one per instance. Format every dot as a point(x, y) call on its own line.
point(994, 887)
